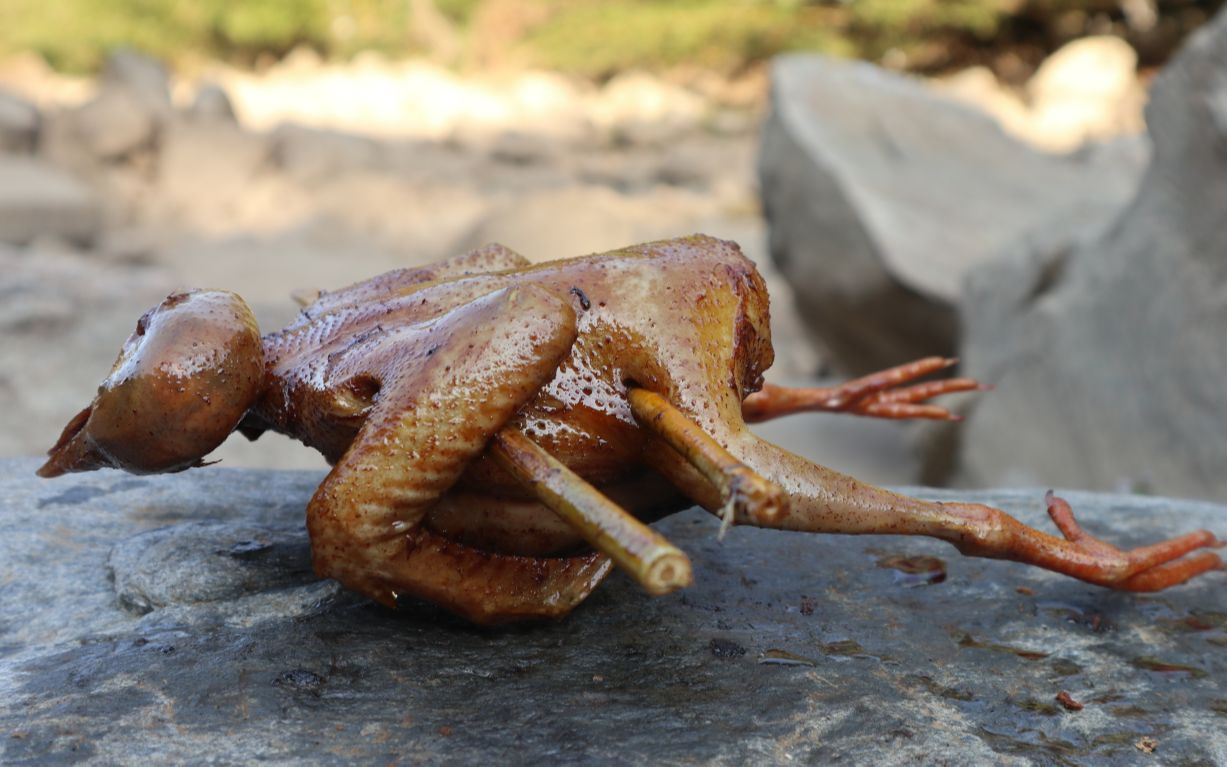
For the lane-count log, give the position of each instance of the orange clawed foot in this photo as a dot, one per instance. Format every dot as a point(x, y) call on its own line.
point(881, 395)
point(1146, 568)
point(987, 532)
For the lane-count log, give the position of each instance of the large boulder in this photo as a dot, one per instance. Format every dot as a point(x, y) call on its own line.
point(124, 118)
point(1109, 356)
point(114, 124)
point(882, 194)
point(175, 619)
point(37, 199)
point(146, 78)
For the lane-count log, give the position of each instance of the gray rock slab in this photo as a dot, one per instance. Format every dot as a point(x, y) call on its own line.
point(121, 124)
point(114, 124)
point(19, 123)
point(312, 155)
point(173, 619)
point(882, 194)
point(212, 103)
point(37, 199)
point(205, 167)
point(1107, 352)
point(144, 76)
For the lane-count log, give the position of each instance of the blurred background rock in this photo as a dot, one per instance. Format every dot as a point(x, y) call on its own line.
point(266, 146)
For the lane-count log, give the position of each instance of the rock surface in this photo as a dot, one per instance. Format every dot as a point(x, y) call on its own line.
point(1108, 353)
point(204, 172)
point(39, 200)
point(172, 619)
point(881, 196)
point(212, 103)
point(1087, 90)
point(19, 123)
point(144, 77)
point(114, 124)
point(123, 119)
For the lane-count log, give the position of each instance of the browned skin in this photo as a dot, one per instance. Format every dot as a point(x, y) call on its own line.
point(404, 380)
point(182, 382)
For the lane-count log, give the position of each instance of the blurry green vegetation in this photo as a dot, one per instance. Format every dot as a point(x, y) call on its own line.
point(598, 38)
point(589, 37)
point(911, 16)
point(74, 35)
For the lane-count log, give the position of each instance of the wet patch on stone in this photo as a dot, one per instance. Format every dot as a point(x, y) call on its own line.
point(776, 657)
point(1166, 667)
point(914, 570)
point(968, 641)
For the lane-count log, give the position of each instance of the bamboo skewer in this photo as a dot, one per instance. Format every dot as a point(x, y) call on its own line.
point(658, 566)
point(742, 490)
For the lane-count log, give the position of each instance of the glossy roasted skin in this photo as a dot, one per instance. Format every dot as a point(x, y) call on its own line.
point(180, 385)
point(686, 318)
point(555, 347)
point(636, 370)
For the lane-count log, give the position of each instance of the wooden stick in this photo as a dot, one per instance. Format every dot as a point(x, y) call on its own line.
point(742, 490)
point(658, 566)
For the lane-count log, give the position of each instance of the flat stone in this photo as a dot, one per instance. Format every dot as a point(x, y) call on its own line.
point(19, 123)
point(312, 155)
point(143, 76)
point(204, 170)
point(37, 199)
point(212, 103)
point(114, 124)
point(521, 148)
point(788, 647)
